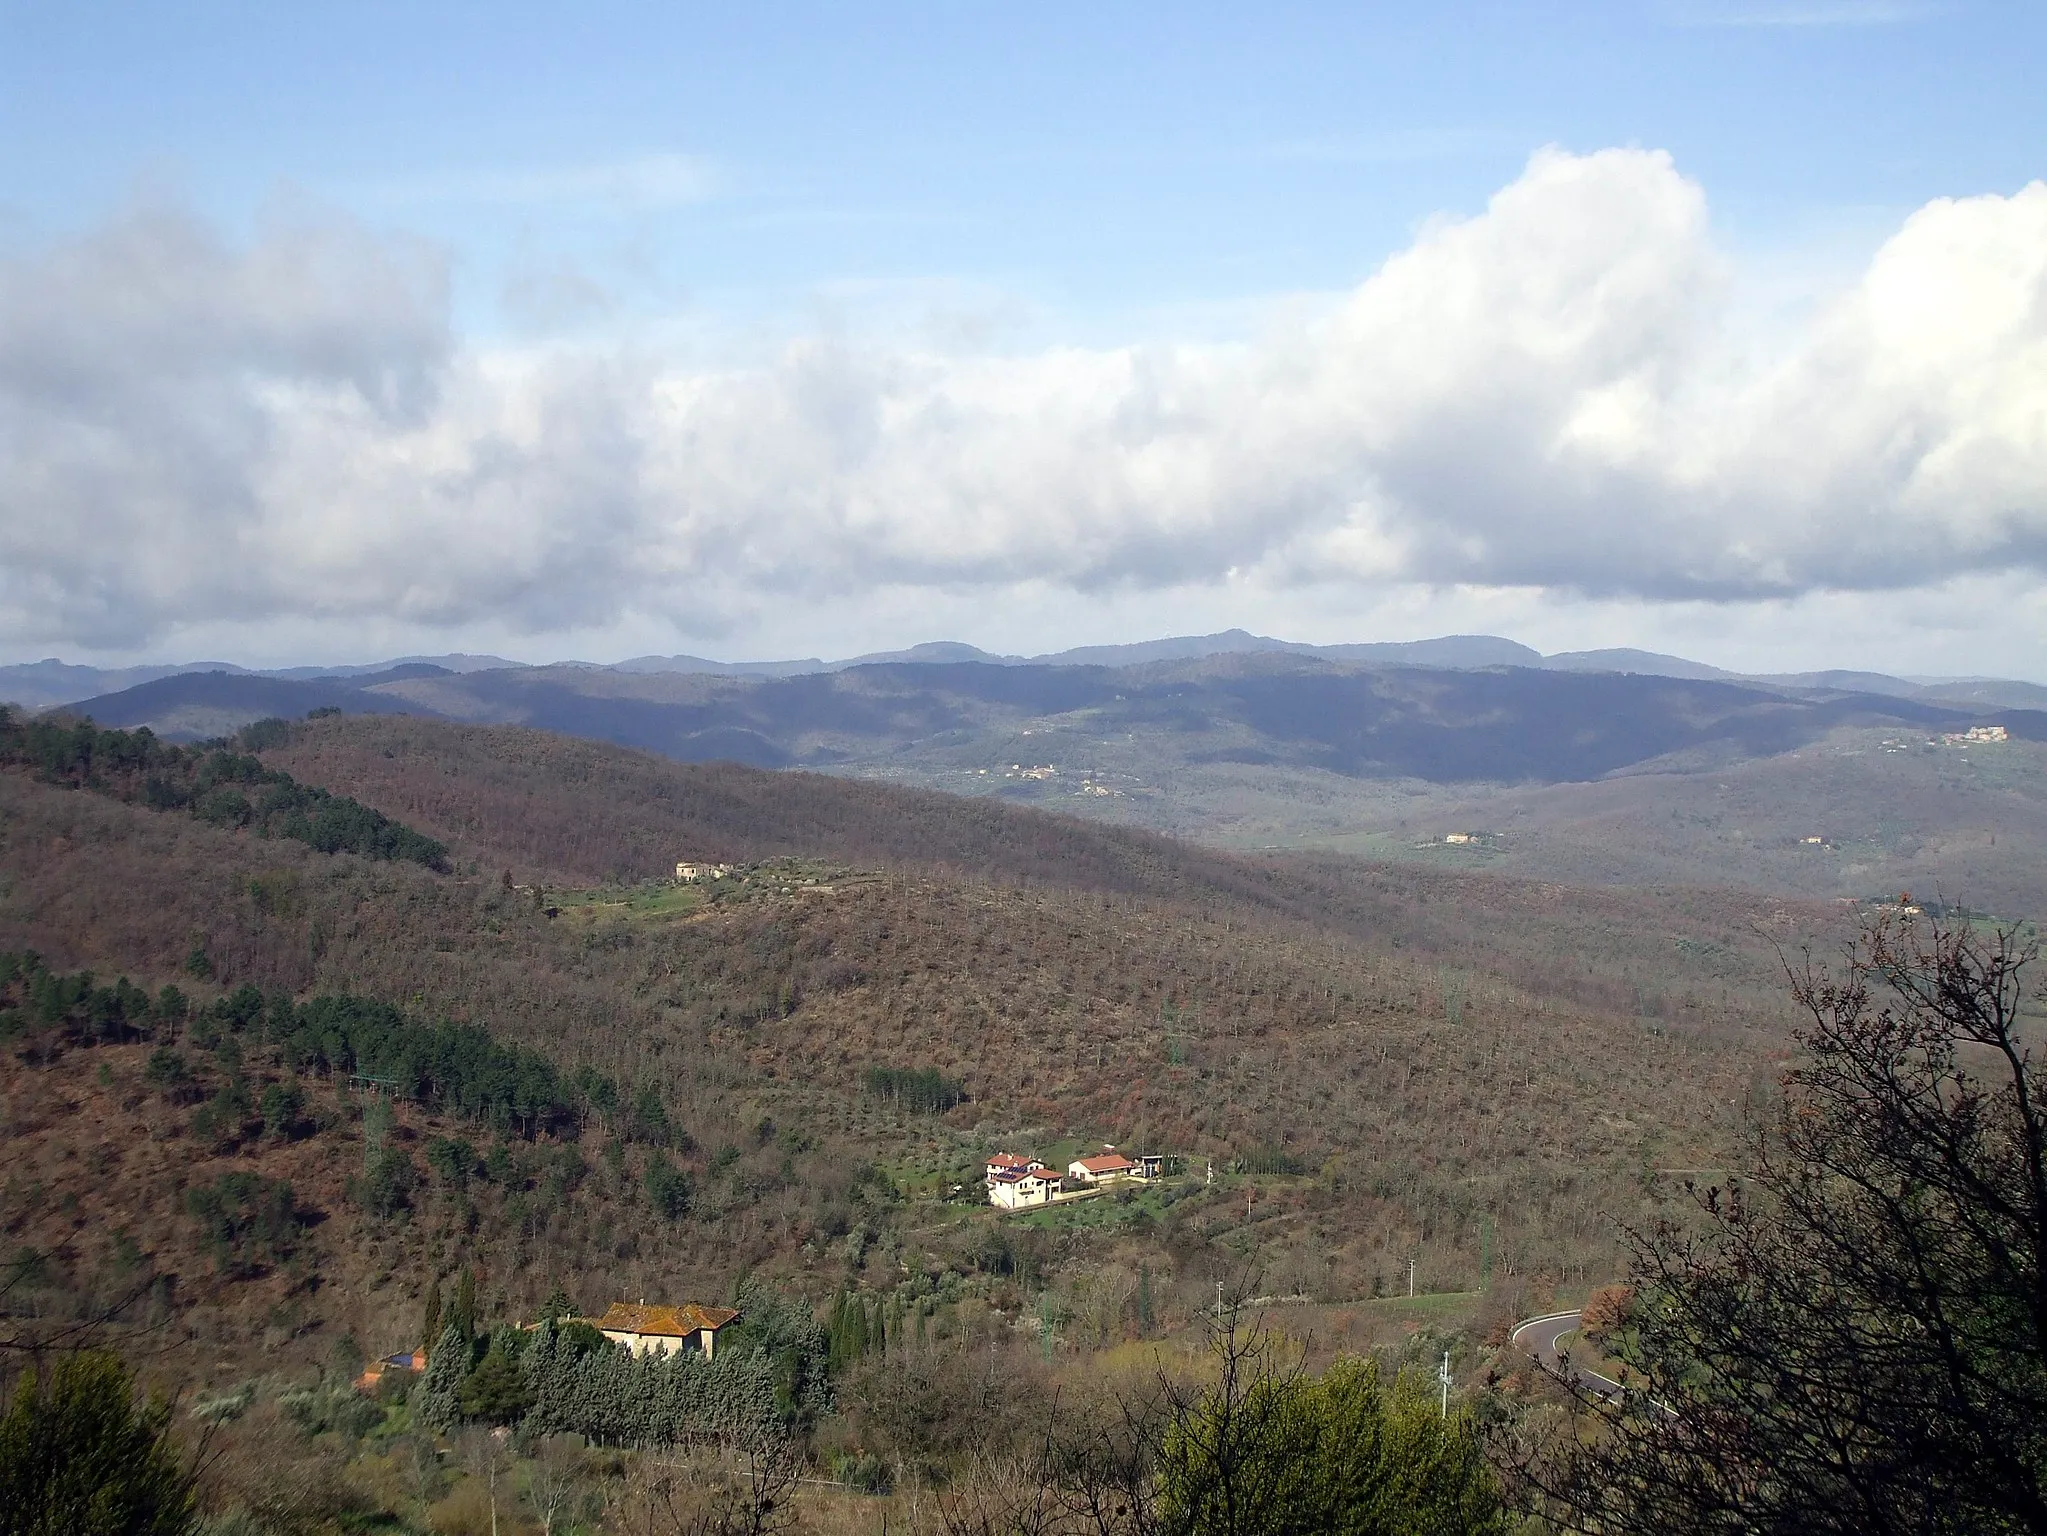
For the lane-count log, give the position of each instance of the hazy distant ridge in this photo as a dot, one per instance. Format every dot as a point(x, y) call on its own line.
point(49, 683)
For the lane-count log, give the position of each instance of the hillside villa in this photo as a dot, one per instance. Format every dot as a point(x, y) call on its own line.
point(645, 1330)
point(1015, 1181)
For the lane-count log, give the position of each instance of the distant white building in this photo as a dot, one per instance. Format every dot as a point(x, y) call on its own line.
point(1977, 733)
point(691, 874)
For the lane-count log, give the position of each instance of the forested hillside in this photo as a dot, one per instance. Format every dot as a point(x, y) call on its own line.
point(281, 1090)
point(565, 811)
point(1427, 1065)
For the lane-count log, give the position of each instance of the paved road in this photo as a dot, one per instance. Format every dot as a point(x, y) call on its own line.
point(1538, 1337)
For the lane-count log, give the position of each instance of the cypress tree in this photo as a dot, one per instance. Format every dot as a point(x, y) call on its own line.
point(840, 1348)
point(464, 1316)
point(431, 1327)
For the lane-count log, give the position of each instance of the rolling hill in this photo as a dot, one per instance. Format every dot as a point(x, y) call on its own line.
point(1384, 1063)
point(1584, 776)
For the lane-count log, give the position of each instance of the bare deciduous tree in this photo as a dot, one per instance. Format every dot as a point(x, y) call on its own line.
point(1853, 1338)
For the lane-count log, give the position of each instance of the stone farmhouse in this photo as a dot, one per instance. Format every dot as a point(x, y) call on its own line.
point(646, 1330)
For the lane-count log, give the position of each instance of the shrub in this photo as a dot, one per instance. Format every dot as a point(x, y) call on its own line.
point(338, 1408)
point(248, 1221)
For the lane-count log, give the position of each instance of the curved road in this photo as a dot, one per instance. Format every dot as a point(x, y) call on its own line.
point(1538, 1336)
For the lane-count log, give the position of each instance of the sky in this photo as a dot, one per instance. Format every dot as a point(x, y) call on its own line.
point(334, 332)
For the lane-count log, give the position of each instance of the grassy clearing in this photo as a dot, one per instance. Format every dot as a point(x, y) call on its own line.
point(653, 902)
point(1118, 1206)
point(1430, 1305)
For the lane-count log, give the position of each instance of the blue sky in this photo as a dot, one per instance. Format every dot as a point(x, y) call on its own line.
point(1111, 158)
point(706, 197)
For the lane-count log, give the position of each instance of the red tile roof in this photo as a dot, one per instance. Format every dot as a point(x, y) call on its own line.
point(1108, 1162)
point(667, 1322)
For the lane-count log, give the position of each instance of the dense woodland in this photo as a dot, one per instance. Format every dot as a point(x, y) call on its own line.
point(300, 1088)
point(218, 784)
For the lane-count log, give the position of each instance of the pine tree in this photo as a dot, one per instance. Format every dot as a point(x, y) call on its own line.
point(431, 1329)
point(79, 1454)
point(1144, 1316)
point(495, 1392)
point(436, 1402)
point(557, 1306)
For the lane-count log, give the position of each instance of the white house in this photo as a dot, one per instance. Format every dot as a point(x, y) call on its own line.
point(1005, 1162)
point(690, 874)
point(1015, 1188)
point(1105, 1169)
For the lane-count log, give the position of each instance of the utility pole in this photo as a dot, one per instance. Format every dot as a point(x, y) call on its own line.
point(1410, 1277)
point(1443, 1375)
point(1218, 1302)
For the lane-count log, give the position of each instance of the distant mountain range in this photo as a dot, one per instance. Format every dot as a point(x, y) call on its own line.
point(1461, 709)
point(46, 684)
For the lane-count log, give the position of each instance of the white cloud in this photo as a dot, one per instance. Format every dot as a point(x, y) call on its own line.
point(1546, 397)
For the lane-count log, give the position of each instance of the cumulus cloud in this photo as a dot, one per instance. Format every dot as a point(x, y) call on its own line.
point(1550, 395)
